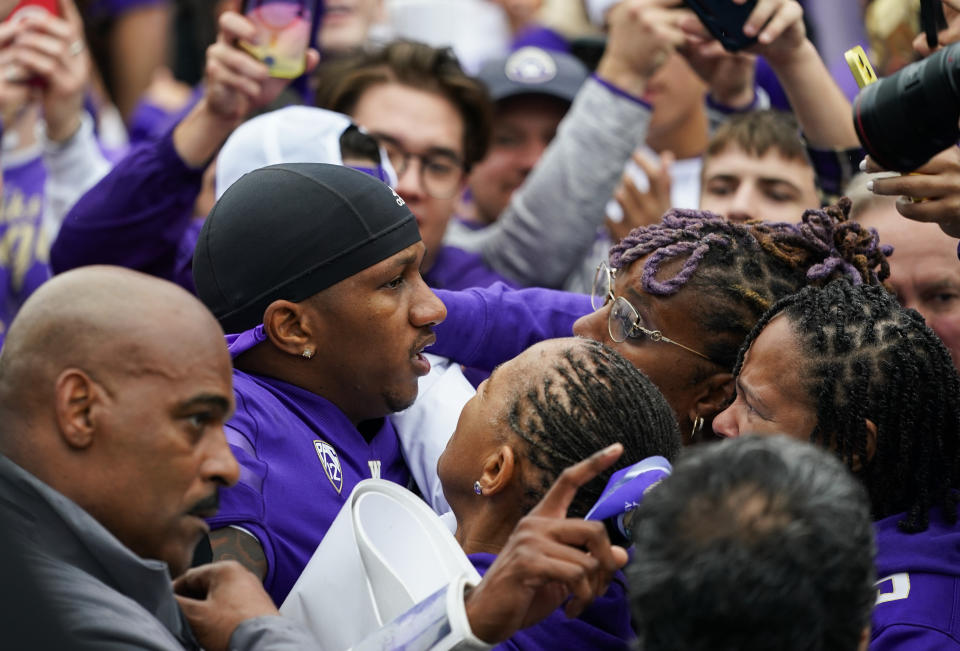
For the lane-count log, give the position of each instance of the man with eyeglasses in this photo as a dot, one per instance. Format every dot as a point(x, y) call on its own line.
point(433, 122)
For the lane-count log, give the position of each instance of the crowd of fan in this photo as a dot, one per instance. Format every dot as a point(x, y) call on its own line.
point(504, 281)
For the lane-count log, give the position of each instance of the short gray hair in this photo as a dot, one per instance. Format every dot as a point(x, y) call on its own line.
point(754, 544)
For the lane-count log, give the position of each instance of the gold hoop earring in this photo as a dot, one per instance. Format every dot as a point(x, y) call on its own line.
point(697, 426)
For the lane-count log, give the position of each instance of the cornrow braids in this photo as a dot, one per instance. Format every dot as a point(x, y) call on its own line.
point(741, 270)
point(591, 398)
point(868, 358)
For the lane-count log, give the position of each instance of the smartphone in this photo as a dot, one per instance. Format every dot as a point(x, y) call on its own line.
point(284, 28)
point(26, 7)
point(20, 11)
point(725, 20)
point(860, 66)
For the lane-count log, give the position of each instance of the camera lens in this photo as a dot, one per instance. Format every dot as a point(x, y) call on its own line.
point(907, 118)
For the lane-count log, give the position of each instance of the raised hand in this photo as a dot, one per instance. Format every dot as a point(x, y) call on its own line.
point(642, 34)
point(51, 49)
point(547, 559)
point(643, 208)
point(928, 194)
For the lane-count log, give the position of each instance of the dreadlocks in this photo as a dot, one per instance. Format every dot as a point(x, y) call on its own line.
point(591, 398)
point(742, 269)
point(870, 359)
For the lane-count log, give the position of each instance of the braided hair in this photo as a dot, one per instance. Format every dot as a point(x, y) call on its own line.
point(590, 398)
point(869, 358)
point(741, 270)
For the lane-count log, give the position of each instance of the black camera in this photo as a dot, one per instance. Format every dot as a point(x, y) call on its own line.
point(907, 118)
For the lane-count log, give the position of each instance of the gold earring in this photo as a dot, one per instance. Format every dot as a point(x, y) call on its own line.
point(307, 353)
point(697, 426)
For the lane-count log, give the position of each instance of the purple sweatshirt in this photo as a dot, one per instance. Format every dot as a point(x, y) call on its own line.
point(918, 587)
point(139, 216)
point(23, 256)
point(487, 326)
point(458, 269)
point(605, 624)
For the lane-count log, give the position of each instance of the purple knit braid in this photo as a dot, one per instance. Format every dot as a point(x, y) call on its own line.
point(846, 246)
point(825, 243)
point(687, 234)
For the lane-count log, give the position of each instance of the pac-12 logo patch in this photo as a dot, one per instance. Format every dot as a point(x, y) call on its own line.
point(331, 463)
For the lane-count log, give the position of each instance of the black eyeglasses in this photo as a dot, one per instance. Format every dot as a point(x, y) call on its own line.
point(440, 172)
point(624, 321)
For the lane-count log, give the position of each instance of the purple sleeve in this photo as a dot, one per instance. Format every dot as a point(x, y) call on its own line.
point(485, 327)
point(456, 269)
point(909, 636)
point(135, 217)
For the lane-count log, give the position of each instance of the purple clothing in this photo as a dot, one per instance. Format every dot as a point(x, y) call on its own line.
point(458, 269)
point(918, 587)
point(540, 36)
point(114, 8)
point(485, 327)
point(767, 80)
point(605, 624)
point(139, 216)
point(150, 122)
point(23, 254)
point(300, 457)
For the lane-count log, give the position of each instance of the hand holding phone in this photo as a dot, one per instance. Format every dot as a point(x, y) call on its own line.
point(22, 11)
point(27, 7)
point(283, 35)
point(724, 20)
point(236, 83)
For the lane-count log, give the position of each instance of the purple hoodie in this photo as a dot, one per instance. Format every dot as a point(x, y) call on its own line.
point(918, 587)
point(139, 216)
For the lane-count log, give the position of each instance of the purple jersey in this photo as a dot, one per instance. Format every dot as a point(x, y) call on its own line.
point(300, 458)
point(918, 586)
point(605, 624)
point(23, 244)
point(458, 269)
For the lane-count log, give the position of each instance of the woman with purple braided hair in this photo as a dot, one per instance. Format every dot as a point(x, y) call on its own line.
point(677, 299)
